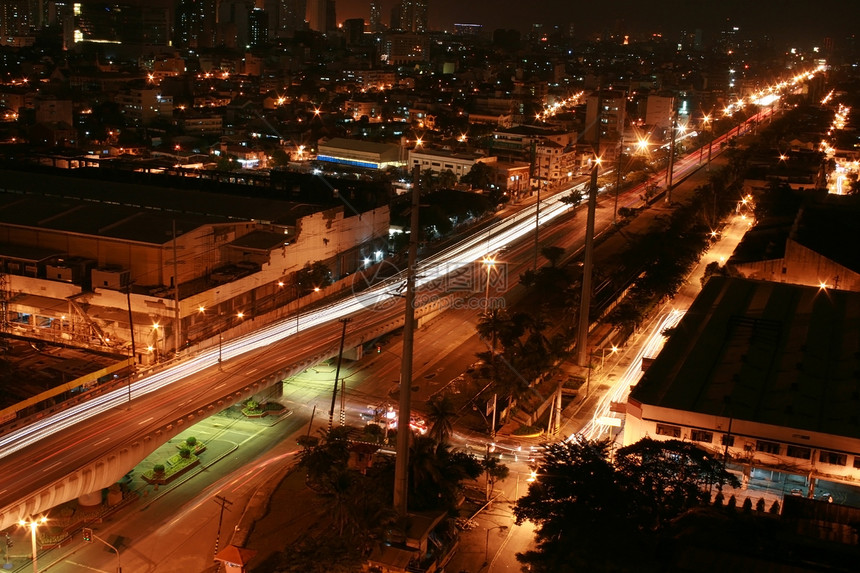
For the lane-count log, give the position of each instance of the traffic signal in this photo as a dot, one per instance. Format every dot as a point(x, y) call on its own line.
point(378, 349)
point(88, 535)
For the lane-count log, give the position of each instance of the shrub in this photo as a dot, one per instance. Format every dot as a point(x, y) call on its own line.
point(158, 469)
point(191, 441)
point(719, 499)
point(733, 502)
point(774, 508)
point(747, 506)
point(526, 431)
point(759, 505)
point(184, 452)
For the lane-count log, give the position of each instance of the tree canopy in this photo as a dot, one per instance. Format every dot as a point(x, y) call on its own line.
point(582, 502)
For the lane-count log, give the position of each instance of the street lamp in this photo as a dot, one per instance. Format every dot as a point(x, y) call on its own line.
point(487, 543)
point(240, 315)
point(489, 262)
point(706, 120)
point(614, 349)
point(154, 347)
point(33, 524)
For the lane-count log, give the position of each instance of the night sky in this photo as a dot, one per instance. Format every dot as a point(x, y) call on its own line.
point(803, 21)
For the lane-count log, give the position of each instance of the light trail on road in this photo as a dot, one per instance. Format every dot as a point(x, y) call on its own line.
point(431, 269)
point(620, 390)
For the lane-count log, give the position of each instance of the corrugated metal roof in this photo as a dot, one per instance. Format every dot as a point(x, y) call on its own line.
point(773, 353)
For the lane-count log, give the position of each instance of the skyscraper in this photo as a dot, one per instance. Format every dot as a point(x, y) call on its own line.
point(258, 33)
point(375, 17)
point(411, 16)
point(321, 15)
point(16, 19)
point(290, 16)
point(195, 24)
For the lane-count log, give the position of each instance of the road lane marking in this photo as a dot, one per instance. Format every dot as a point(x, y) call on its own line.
point(85, 566)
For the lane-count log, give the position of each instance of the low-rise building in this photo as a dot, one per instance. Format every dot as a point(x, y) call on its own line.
point(816, 247)
point(201, 125)
point(358, 153)
point(441, 160)
point(142, 106)
point(69, 261)
point(512, 177)
point(764, 374)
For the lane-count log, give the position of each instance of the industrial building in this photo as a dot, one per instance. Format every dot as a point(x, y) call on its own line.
point(766, 374)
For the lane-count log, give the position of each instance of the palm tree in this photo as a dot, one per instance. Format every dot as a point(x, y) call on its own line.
point(436, 474)
point(441, 414)
point(495, 324)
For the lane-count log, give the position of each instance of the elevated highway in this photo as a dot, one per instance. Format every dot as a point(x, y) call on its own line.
point(91, 445)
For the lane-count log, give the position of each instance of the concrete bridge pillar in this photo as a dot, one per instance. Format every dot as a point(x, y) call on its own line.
point(91, 499)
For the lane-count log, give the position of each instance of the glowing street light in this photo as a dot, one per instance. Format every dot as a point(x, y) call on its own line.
point(33, 524)
point(240, 316)
point(603, 355)
point(501, 528)
point(154, 346)
point(488, 262)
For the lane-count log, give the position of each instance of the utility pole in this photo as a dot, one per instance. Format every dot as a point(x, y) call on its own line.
point(537, 215)
point(585, 299)
point(344, 322)
point(177, 318)
point(620, 156)
point(670, 170)
point(131, 330)
point(401, 466)
point(221, 501)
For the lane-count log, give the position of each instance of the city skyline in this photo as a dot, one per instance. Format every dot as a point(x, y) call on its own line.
point(784, 20)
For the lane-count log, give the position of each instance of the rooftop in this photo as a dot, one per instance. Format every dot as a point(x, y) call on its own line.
point(772, 353)
point(129, 211)
point(359, 145)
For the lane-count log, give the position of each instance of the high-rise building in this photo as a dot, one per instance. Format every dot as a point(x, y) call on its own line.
point(353, 30)
point(195, 24)
point(375, 17)
point(607, 110)
point(234, 23)
point(258, 28)
point(134, 22)
point(321, 16)
point(16, 20)
point(289, 17)
point(411, 16)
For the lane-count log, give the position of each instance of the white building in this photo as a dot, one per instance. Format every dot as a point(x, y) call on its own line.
point(440, 160)
point(358, 153)
point(765, 372)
